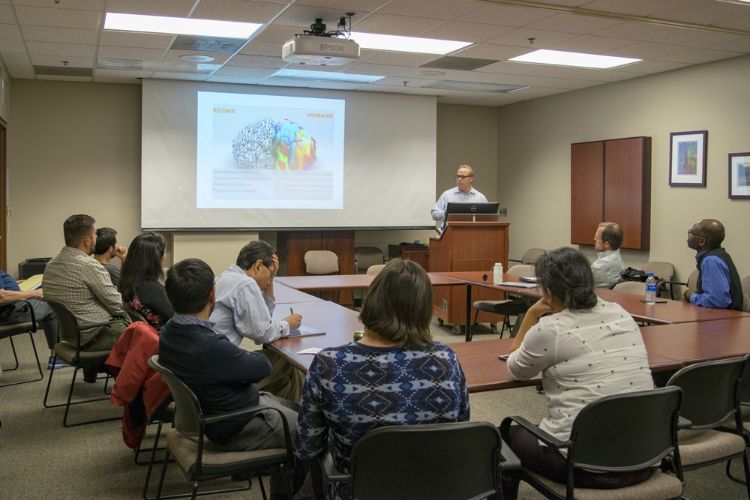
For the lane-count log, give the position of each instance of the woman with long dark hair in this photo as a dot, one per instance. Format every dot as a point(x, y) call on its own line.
point(586, 348)
point(141, 279)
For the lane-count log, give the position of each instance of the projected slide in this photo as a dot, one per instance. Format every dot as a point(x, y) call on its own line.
point(263, 151)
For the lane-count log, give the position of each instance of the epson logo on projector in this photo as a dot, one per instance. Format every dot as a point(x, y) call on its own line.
point(331, 48)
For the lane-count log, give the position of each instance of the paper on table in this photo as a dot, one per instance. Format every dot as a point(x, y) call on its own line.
point(310, 350)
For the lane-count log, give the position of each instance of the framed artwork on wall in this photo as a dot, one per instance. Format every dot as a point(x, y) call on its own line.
point(687, 158)
point(739, 175)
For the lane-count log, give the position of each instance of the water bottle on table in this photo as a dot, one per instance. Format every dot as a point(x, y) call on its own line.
point(650, 289)
point(497, 273)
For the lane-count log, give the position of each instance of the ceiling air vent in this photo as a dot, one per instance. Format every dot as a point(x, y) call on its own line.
point(62, 71)
point(458, 63)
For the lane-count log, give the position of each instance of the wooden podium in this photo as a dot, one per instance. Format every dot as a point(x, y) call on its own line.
point(467, 244)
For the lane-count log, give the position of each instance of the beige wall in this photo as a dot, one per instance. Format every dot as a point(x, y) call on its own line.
point(72, 148)
point(75, 148)
point(534, 156)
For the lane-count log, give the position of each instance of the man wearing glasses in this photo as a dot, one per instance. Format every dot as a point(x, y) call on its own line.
point(462, 193)
point(718, 283)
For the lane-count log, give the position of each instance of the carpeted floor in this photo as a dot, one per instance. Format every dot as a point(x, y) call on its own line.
point(42, 459)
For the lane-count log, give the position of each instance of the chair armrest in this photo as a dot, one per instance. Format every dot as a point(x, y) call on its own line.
point(547, 438)
point(31, 313)
point(329, 470)
point(251, 411)
point(508, 459)
point(683, 423)
point(99, 325)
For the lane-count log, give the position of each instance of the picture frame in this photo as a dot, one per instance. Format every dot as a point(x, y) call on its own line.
point(687, 158)
point(739, 176)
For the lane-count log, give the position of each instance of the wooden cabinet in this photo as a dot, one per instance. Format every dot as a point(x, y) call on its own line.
point(611, 181)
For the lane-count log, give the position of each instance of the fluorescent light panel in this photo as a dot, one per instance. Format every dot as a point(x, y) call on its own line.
point(577, 59)
point(326, 75)
point(178, 25)
point(395, 43)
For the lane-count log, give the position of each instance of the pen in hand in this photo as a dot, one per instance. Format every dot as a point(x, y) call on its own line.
point(291, 311)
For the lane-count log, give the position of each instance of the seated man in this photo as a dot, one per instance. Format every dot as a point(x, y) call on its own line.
point(223, 376)
point(719, 284)
point(608, 265)
point(74, 278)
point(107, 249)
point(244, 308)
point(17, 313)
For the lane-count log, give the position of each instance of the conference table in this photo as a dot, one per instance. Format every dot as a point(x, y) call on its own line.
point(683, 334)
point(348, 281)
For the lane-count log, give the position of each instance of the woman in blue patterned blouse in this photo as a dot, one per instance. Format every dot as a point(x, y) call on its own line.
point(395, 375)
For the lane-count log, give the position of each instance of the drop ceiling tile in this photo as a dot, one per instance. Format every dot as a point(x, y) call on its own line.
point(173, 8)
point(181, 76)
point(637, 31)
point(64, 78)
point(138, 53)
point(120, 76)
point(402, 59)
point(646, 50)
point(23, 71)
point(6, 15)
point(50, 60)
point(649, 67)
point(256, 48)
point(635, 7)
point(256, 62)
point(741, 22)
point(58, 17)
point(237, 79)
point(389, 24)
point(302, 16)
point(520, 38)
point(592, 44)
point(572, 23)
point(696, 38)
point(738, 45)
point(698, 56)
point(343, 6)
point(12, 46)
point(490, 51)
point(506, 15)
point(142, 40)
point(246, 72)
point(61, 49)
point(467, 32)
point(60, 35)
point(174, 56)
point(276, 34)
point(16, 58)
point(441, 9)
point(96, 5)
point(237, 10)
point(703, 12)
point(10, 32)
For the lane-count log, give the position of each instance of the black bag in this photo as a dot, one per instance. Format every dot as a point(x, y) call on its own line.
point(631, 274)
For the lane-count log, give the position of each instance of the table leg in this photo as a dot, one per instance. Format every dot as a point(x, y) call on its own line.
point(468, 313)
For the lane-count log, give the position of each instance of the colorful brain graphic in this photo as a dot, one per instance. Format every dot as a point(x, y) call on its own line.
point(266, 144)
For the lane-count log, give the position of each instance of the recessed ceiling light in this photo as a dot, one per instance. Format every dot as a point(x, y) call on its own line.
point(178, 25)
point(196, 58)
point(326, 75)
point(395, 43)
point(577, 59)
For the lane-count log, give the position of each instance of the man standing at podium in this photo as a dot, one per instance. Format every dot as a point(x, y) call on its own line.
point(462, 193)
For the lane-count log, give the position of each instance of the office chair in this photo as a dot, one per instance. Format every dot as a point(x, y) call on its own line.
point(13, 329)
point(509, 307)
point(364, 257)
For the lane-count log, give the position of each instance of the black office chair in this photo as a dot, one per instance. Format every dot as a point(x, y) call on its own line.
point(710, 398)
point(13, 329)
point(455, 461)
point(618, 433)
point(72, 355)
point(510, 307)
point(186, 442)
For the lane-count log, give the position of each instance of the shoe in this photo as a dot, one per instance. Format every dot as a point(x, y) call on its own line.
point(54, 363)
point(89, 375)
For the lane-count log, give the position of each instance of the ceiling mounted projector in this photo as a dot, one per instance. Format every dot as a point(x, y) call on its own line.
point(318, 47)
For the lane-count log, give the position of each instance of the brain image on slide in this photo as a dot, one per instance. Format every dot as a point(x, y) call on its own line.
point(266, 144)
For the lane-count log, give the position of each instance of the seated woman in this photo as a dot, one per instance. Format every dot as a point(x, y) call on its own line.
point(141, 279)
point(384, 379)
point(586, 348)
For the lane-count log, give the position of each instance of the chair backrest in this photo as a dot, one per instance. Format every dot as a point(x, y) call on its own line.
point(662, 270)
point(532, 255)
point(187, 407)
point(522, 270)
point(710, 391)
point(321, 262)
point(626, 432)
point(364, 257)
point(746, 292)
point(637, 287)
point(375, 269)
point(68, 328)
point(455, 460)
point(692, 281)
point(134, 315)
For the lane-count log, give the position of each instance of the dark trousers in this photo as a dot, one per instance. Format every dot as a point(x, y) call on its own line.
point(551, 464)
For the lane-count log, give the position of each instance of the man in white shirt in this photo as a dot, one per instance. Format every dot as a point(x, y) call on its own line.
point(462, 193)
point(608, 266)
